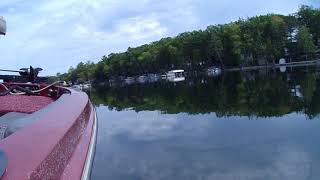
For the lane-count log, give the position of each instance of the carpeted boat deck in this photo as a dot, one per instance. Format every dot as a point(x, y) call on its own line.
point(23, 104)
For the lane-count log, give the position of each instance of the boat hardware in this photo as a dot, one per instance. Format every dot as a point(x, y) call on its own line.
point(30, 74)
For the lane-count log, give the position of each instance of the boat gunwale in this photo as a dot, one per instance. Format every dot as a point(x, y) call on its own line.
point(91, 151)
point(27, 136)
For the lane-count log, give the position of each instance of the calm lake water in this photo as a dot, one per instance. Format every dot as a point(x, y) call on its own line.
point(237, 126)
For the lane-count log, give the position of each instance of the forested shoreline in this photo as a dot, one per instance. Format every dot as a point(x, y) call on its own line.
point(257, 40)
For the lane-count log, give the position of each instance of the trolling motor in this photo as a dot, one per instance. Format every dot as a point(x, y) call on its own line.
point(30, 74)
point(27, 74)
point(16, 85)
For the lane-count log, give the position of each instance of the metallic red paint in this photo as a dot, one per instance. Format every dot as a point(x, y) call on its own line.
point(55, 146)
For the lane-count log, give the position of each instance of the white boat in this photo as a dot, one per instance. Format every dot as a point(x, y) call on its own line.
point(3, 26)
point(176, 75)
point(282, 62)
point(86, 86)
point(153, 77)
point(77, 87)
point(129, 80)
point(142, 79)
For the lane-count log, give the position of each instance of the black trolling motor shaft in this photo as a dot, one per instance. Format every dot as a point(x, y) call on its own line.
point(8, 70)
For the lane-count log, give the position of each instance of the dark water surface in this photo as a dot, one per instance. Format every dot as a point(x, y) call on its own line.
point(238, 126)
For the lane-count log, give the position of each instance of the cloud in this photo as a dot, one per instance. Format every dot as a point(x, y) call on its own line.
point(57, 34)
point(135, 28)
point(146, 126)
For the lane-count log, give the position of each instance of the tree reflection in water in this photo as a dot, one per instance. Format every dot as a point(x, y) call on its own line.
point(261, 93)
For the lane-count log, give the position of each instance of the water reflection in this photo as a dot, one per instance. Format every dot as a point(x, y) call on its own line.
point(239, 126)
point(261, 93)
point(151, 145)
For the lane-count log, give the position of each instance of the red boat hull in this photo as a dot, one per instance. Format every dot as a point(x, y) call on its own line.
point(57, 145)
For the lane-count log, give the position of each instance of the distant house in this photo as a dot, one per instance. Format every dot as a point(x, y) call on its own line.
point(292, 36)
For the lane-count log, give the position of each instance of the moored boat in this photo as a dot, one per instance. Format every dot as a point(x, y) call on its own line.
point(129, 80)
point(176, 75)
point(142, 79)
point(214, 71)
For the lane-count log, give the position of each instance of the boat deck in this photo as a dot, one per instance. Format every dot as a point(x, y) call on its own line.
point(23, 104)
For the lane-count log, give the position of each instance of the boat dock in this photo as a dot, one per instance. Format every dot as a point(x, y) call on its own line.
point(290, 64)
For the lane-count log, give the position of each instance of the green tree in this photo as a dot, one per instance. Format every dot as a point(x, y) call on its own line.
point(310, 17)
point(253, 41)
point(304, 41)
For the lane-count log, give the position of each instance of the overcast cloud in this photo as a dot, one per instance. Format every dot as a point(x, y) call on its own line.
point(57, 34)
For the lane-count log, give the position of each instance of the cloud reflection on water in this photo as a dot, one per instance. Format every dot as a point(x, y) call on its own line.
point(152, 145)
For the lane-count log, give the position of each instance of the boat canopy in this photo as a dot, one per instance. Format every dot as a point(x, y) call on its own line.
point(177, 71)
point(3, 26)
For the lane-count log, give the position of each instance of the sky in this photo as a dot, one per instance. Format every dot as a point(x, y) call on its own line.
point(58, 34)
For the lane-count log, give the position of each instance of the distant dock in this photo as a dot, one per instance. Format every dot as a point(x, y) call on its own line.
point(291, 64)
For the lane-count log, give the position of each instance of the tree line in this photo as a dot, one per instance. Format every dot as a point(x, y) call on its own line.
point(257, 40)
